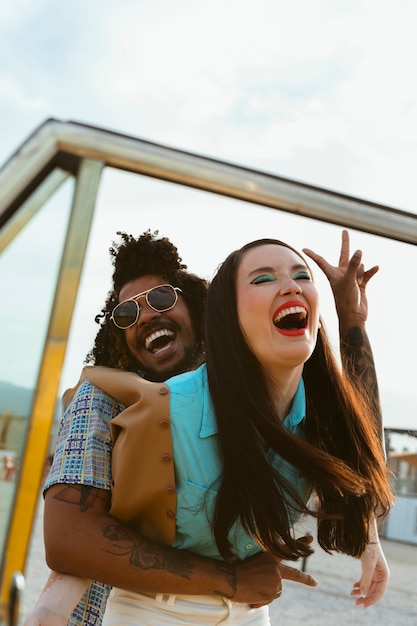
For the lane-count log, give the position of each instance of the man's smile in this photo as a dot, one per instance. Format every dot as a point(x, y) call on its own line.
point(159, 340)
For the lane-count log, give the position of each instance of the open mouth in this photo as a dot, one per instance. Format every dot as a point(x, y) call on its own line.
point(159, 340)
point(291, 318)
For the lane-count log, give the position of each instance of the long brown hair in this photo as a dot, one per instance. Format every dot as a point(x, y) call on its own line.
point(342, 455)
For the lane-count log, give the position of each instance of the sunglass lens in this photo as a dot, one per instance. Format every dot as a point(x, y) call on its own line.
point(125, 314)
point(162, 298)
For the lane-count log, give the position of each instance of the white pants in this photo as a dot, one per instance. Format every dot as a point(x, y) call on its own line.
point(128, 609)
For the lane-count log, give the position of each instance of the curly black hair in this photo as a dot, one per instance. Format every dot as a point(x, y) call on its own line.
point(132, 258)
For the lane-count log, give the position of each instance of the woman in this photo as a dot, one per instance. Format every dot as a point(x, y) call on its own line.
point(268, 421)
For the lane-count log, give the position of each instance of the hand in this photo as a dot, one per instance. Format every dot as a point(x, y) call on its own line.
point(295, 574)
point(263, 575)
point(375, 576)
point(348, 282)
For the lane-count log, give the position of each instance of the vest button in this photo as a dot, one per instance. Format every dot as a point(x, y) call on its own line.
point(170, 490)
point(170, 514)
point(164, 423)
point(166, 458)
point(163, 391)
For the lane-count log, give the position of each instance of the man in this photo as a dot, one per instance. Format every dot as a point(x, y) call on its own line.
point(161, 337)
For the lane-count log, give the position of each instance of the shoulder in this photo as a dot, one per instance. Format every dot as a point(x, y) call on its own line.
point(89, 397)
point(189, 382)
point(126, 387)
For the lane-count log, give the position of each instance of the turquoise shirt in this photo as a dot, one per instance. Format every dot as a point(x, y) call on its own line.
point(197, 473)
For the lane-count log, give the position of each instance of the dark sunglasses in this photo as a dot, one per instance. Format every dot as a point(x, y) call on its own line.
point(161, 298)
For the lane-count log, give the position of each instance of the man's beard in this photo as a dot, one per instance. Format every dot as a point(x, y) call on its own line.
point(192, 359)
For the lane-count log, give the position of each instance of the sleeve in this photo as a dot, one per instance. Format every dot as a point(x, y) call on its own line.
point(84, 444)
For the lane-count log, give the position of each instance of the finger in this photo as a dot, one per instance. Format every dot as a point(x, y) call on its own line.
point(365, 600)
point(366, 582)
point(321, 262)
point(344, 250)
point(356, 589)
point(354, 263)
point(307, 539)
point(292, 573)
point(372, 598)
point(369, 274)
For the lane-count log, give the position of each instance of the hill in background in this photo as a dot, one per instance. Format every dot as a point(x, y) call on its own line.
point(14, 399)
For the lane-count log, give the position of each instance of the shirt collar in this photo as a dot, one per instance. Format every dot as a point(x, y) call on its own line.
point(298, 408)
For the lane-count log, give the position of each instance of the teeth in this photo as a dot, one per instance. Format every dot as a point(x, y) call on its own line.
point(158, 333)
point(290, 311)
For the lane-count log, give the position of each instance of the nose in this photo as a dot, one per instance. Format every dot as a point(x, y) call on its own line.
point(147, 314)
point(290, 286)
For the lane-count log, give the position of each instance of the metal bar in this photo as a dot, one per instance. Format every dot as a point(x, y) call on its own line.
point(48, 381)
point(23, 167)
point(190, 169)
point(29, 208)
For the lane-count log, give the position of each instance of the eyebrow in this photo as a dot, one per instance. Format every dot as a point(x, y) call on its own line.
point(294, 268)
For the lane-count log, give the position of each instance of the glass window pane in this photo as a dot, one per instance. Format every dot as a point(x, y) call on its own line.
point(28, 271)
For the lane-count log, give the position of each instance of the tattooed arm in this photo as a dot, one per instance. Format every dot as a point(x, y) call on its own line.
point(100, 547)
point(348, 281)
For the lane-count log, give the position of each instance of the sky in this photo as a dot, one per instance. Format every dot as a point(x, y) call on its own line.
point(320, 92)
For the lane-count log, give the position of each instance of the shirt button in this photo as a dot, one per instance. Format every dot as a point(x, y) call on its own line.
point(163, 391)
point(170, 514)
point(164, 423)
point(248, 546)
point(166, 458)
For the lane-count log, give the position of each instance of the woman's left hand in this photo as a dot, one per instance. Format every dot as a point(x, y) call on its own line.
point(375, 576)
point(348, 281)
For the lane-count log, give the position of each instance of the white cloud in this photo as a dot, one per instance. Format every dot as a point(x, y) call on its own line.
point(300, 73)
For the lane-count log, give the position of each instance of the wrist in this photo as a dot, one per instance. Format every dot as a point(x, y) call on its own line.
point(352, 332)
point(228, 579)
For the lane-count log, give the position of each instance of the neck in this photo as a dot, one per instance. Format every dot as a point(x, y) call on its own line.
point(282, 387)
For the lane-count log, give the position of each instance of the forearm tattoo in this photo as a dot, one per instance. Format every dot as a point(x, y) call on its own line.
point(82, 495)
point(358, 363)
point(143, 553)
point(146, 554)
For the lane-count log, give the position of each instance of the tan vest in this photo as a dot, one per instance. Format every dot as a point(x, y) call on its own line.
point(143, 480)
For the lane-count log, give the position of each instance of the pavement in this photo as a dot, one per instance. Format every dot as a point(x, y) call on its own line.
point(328, 604)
